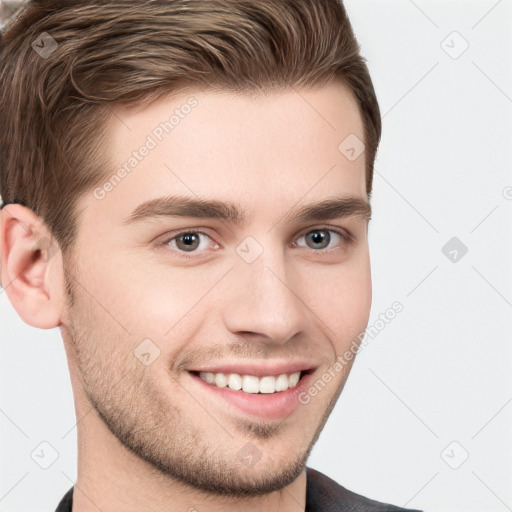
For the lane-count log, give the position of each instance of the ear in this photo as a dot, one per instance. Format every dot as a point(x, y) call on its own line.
point(31, 267)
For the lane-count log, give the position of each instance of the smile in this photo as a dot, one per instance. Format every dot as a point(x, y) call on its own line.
point(250, 383)
point(259, 389)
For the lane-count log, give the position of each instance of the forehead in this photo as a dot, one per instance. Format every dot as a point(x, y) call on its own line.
point(279, 148)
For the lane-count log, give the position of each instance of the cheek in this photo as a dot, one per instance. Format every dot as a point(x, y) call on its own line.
point(344, 298)
point(141, 294)
point(151, 301)
point(163, 304)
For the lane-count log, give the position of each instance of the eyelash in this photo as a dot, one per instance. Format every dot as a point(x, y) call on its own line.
point(346, 237)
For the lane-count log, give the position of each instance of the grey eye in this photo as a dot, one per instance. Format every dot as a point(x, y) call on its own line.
point(189, 241)
point(318, 239)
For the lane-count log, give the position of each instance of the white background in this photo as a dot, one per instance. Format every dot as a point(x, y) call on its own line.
point(439, 374)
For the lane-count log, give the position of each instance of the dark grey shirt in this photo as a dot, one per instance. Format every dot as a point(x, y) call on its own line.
point(322, 495)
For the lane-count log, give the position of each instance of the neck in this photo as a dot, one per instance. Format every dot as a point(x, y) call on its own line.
point(112, 478)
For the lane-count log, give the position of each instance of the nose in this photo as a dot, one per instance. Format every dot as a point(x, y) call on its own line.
point(260, 301)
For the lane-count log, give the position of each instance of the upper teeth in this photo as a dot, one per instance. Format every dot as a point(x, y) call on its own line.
point(250, 383)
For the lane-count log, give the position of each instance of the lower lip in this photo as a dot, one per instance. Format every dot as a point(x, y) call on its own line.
point(262, 405)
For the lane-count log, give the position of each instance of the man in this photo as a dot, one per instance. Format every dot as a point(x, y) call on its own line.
point(186, 194)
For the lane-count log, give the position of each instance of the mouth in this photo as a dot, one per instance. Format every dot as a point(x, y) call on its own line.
point(267, 384)
point(259, 392)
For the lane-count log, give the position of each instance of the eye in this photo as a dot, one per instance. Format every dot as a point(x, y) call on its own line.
point(189, 241)
point(319, 239)
point(323, 240)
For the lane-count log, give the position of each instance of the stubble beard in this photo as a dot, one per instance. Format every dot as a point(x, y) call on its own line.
point(144, 422)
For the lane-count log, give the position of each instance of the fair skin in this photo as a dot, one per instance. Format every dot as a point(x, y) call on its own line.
point(156, 436)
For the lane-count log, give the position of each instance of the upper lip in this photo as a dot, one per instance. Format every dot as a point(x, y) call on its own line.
point(256, 368)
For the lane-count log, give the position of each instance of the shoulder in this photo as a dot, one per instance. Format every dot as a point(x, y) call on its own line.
point(324, 494)
point(66, 503)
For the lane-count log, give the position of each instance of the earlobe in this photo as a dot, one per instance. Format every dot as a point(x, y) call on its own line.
point(31, 267)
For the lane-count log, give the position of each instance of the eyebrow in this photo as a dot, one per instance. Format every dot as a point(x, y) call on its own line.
point(182, 206)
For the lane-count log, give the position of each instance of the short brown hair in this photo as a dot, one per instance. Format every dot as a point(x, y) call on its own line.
point(55, 110)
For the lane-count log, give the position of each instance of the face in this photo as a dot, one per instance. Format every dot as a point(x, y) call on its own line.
point(175, 304)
